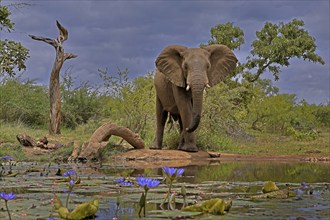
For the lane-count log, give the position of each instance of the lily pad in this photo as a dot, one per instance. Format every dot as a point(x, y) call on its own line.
point(172, 214)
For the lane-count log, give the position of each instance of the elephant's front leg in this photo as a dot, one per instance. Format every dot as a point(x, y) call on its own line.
point(189, 142)
point(187, 139)
point(161, 116)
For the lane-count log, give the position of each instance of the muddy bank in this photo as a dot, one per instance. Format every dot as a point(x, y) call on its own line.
point(146, 158)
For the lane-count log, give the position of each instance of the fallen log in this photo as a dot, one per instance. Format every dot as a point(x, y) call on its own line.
point(92, 149)
point(75, 151)
point(26, 140)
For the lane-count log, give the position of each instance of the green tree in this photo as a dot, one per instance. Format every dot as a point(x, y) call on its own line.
point(227, 34)
point(246, 94)
point(276, 44)
point(13, 55)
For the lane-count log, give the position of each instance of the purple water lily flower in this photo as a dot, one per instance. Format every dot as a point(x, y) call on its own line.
point(7, 157)
point(69, 173)
point(123, 182)
point(120, 180)
point(71, 182)
point(8, 196)
point(68, 191)
point(148, 183)
point(173, 172)
point(304, 185)
point(126, 183)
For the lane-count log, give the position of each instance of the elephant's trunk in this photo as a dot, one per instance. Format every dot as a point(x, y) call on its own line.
point(197, 99)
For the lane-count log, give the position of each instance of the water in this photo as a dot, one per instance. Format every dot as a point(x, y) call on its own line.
point(238, 180)
point(247, 171)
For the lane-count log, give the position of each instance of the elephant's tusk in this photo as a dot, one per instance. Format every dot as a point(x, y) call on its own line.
point(187, 88)
point(208, 86)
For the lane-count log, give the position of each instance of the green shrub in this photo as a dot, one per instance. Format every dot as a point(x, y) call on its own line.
point(129, 103)
point(80, 104)
point(302, 135)
point(23, 102)
point(207, 141)
point(322, 114)
point(171, 138)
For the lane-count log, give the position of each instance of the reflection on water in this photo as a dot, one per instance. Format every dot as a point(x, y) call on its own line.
point(262, 171)
point(123, 211)
point(245, 171)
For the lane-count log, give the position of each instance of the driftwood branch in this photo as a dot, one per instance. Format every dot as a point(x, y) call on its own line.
point(97, 142)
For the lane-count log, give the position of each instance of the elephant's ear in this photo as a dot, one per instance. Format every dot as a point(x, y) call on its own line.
point(223, 61)
point(169, 63)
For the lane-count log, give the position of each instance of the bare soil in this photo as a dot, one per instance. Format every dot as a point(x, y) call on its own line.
point(147, 158)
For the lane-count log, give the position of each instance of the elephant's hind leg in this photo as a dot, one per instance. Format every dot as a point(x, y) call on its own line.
point(181, 143)
point(161, 116)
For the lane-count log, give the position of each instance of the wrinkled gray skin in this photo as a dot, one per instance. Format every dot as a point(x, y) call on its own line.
point(181, 77)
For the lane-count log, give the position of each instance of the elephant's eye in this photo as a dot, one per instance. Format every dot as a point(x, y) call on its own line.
point(185, 66)
point(208, 66)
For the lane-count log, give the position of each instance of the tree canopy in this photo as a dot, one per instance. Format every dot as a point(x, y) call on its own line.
point(227, 34)
point(13, 55)
point(275, 45)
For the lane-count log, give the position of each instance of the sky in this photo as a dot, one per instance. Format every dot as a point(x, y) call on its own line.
point(131, 34)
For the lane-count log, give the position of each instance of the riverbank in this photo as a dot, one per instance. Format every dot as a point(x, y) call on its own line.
point(261, 147)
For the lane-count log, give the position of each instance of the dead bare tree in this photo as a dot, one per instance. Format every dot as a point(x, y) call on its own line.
point(54, 82)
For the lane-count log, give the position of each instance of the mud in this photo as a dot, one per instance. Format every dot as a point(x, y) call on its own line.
point(147, 158)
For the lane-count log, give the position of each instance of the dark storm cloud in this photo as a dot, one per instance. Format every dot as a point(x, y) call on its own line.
point(130, 34)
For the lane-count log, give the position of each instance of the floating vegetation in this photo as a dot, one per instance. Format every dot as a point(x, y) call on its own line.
point(215, 206)
point(108, 195)
point(82, 211)
point(269, 186)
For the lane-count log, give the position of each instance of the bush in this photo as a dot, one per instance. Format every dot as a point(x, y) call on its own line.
point(223, 111)
point(207, 141)
point(322, 115)
point(23, 102)
point(80, 104)
point(130, 103)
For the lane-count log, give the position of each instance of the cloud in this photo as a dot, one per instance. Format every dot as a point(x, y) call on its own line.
point(130, 34)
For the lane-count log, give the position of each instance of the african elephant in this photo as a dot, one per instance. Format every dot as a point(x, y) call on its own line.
point(181, 77)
